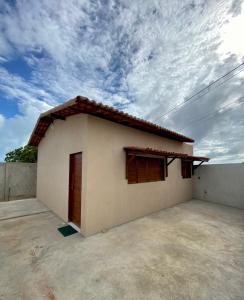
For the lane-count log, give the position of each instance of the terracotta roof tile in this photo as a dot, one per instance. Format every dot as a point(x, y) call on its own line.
point(84, 105)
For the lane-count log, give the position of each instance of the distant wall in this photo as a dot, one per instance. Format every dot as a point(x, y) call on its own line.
point(17, 181)
point(222, 184)
point(2, 181)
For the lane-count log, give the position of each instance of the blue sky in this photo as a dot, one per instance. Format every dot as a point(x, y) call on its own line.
point(143, 57)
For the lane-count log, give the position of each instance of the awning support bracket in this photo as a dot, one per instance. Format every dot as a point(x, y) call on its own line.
point(196, 166)
point(168, 163)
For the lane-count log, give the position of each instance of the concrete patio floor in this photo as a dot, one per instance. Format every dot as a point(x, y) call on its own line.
point(194, 250)
point(21, 208)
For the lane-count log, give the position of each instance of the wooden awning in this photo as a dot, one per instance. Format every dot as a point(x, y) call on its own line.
point(133, 150)
point(83, 105)
point(149, 151)
point(198, 158)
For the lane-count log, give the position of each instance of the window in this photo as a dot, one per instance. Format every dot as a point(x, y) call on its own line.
point(186, 168)
point(141, 169)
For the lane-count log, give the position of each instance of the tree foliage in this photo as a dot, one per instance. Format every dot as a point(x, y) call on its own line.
point(22, 154)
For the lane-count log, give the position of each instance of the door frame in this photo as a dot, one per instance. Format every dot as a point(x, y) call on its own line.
point(69, 192)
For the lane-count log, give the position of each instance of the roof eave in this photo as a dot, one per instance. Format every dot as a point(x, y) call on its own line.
point(106, 110)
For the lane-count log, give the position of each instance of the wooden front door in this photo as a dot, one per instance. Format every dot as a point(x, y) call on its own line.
point(75, 172)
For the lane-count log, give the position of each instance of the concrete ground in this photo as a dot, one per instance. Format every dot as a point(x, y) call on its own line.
point(194, 251)
point(20, 208)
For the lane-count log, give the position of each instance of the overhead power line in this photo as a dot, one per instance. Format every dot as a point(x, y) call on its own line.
point(213, 114)
point(206, 89)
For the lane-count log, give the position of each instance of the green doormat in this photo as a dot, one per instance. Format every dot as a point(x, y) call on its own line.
point(67, 230)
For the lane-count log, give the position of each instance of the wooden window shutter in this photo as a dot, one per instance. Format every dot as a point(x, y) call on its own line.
point(142, 169)
point(156, 167)
point(131, 172)
point(186, 169)
point(145, 169)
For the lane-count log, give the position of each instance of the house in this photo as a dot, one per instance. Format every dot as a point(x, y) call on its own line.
point(99, 167)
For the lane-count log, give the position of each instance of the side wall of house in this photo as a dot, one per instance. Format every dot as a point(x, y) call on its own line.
point(61, 139)
point(110, 199)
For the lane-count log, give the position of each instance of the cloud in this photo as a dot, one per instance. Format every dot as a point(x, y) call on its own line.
point(14, 131)
point(1, 121)
point(141, 56)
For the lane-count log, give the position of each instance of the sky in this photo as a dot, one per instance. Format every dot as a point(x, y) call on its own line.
point(144, 57)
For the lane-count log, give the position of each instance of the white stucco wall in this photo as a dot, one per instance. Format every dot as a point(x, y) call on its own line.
point(110, 199)
point(220, 183)
point(61, 139)
point(107, 199)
